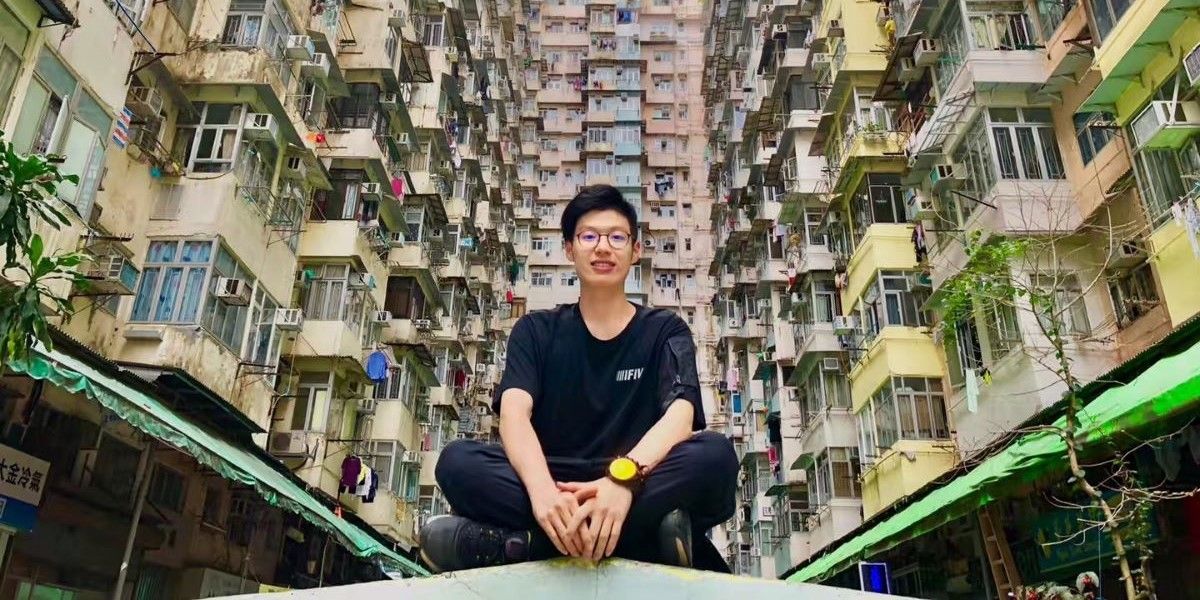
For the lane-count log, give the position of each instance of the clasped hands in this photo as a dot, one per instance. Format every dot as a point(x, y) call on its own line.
point(583, 519)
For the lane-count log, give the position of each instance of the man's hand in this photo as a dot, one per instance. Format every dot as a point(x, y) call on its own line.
point(554, 509)
point(605, 504)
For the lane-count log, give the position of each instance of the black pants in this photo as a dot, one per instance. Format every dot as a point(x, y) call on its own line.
point(698, 475)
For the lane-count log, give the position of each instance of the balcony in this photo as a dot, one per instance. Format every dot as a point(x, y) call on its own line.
point(325, 339)
point(895, 351)
point(628, 148)
point(1146, 33)
point(886, 246)
point(629, 114)
point(903, 469)
point(343, 239)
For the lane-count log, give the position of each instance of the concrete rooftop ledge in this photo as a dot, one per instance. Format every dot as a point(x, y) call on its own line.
point(577, 579)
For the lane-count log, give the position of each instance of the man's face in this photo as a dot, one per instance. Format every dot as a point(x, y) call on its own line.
point(603, 249)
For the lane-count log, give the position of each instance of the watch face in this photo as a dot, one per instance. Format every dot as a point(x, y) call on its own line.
point(622, 469)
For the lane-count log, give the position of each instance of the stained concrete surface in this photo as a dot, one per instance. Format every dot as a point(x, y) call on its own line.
point(574, 579)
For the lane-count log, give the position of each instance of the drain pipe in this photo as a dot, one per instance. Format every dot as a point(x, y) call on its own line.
point(143, 486)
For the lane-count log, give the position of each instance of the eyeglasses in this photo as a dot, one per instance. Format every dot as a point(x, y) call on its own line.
point(591, 239)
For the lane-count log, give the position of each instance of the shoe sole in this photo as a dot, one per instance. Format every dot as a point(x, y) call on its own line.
point(432, 565)
point(682, 553)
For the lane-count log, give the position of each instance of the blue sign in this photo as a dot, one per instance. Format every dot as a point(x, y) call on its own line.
point(17, 515)
point(874, 577)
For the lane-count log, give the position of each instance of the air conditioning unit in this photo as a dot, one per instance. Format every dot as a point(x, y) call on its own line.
point(845, 325)
point(382, 316)
point(366, 405)
point(233, 291)
point(410, 456)
point(835, 29)
point(260, 126)
point(317, 67)
point(918, 207)
point(927, 52)
point(288, 443)
point(648, 244)
point(452, 54)
point(403, 139)
point(369, 189)
point(389, 101)
point(755, 552)
point(143, 143)
point(908, 70)
point(397, 19)
point(145, 102)
point(423, 324)
point(732, 322)
point(739, 420)
point(821, 59)
point(945, 176)
point(919, 281)
point(1166, 124)
point(300, 47)
point(1128, 254)
point(831, 364)
point(289, 319)
point(766, 511)
point(295, 168)
point(360, 281)
point(111, 274)
point(780, 29)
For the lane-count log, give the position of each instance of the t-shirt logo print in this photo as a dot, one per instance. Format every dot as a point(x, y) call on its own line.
point(629, 374)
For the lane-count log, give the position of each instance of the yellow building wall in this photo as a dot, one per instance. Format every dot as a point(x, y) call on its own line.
point(1178, 271)
point(896, 475)
point(885, 246)
point(1158, 70)
point(903, 351)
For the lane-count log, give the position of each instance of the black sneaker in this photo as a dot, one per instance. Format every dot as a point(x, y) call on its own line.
point(455, 543)
point(675, 539)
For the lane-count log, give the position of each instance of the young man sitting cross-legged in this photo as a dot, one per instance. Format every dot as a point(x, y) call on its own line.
point(601, 422)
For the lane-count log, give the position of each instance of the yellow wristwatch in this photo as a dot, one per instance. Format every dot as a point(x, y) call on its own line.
point(625, 471)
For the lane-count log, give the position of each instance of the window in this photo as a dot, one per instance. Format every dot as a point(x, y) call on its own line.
point(255, 23)
point(1024, 143)
point(1067, 307)
point(1092, 138)
point(890, 302)
point(405, 299)
point(210, 145)
point(330, 297)
point(568, 278)
point(310, 407)
point(843, 462)
point(13, 38)
point(662, 112)
point(666, 280)
point(174, 282)
point(542, 243)
point(871, 115)
point(1106, 14)
point(360, 109)
point(541, 279)
point(910, 408)
point(59, 117)
point(214, 504)
point(1164, 176)
point(1133, 293)
point(434, 31)
point(167, 489)
point(384, 458)
point(184, 11)
point(1000, 26)
point(975, 154)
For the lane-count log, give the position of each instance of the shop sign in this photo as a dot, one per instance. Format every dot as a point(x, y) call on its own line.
point(22, 480)
point(1059, 542)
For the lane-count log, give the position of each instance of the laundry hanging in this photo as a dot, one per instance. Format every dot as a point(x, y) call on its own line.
point(920, 249)
point(1187, 216)
point(377, 366)
point(351, 467)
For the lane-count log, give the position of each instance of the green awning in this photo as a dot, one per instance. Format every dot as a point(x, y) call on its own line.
point(233, 462)
point(1164, 392)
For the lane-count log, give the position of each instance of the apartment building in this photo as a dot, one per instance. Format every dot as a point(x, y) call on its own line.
point(868, 147)
point(302, 222)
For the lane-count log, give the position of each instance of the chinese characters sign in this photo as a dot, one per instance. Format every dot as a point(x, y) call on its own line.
point(22, 477)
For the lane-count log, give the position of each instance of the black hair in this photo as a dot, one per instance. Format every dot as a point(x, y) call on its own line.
point(595, 198)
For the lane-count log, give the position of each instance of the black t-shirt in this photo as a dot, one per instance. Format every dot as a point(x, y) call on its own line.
point(596, 398)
